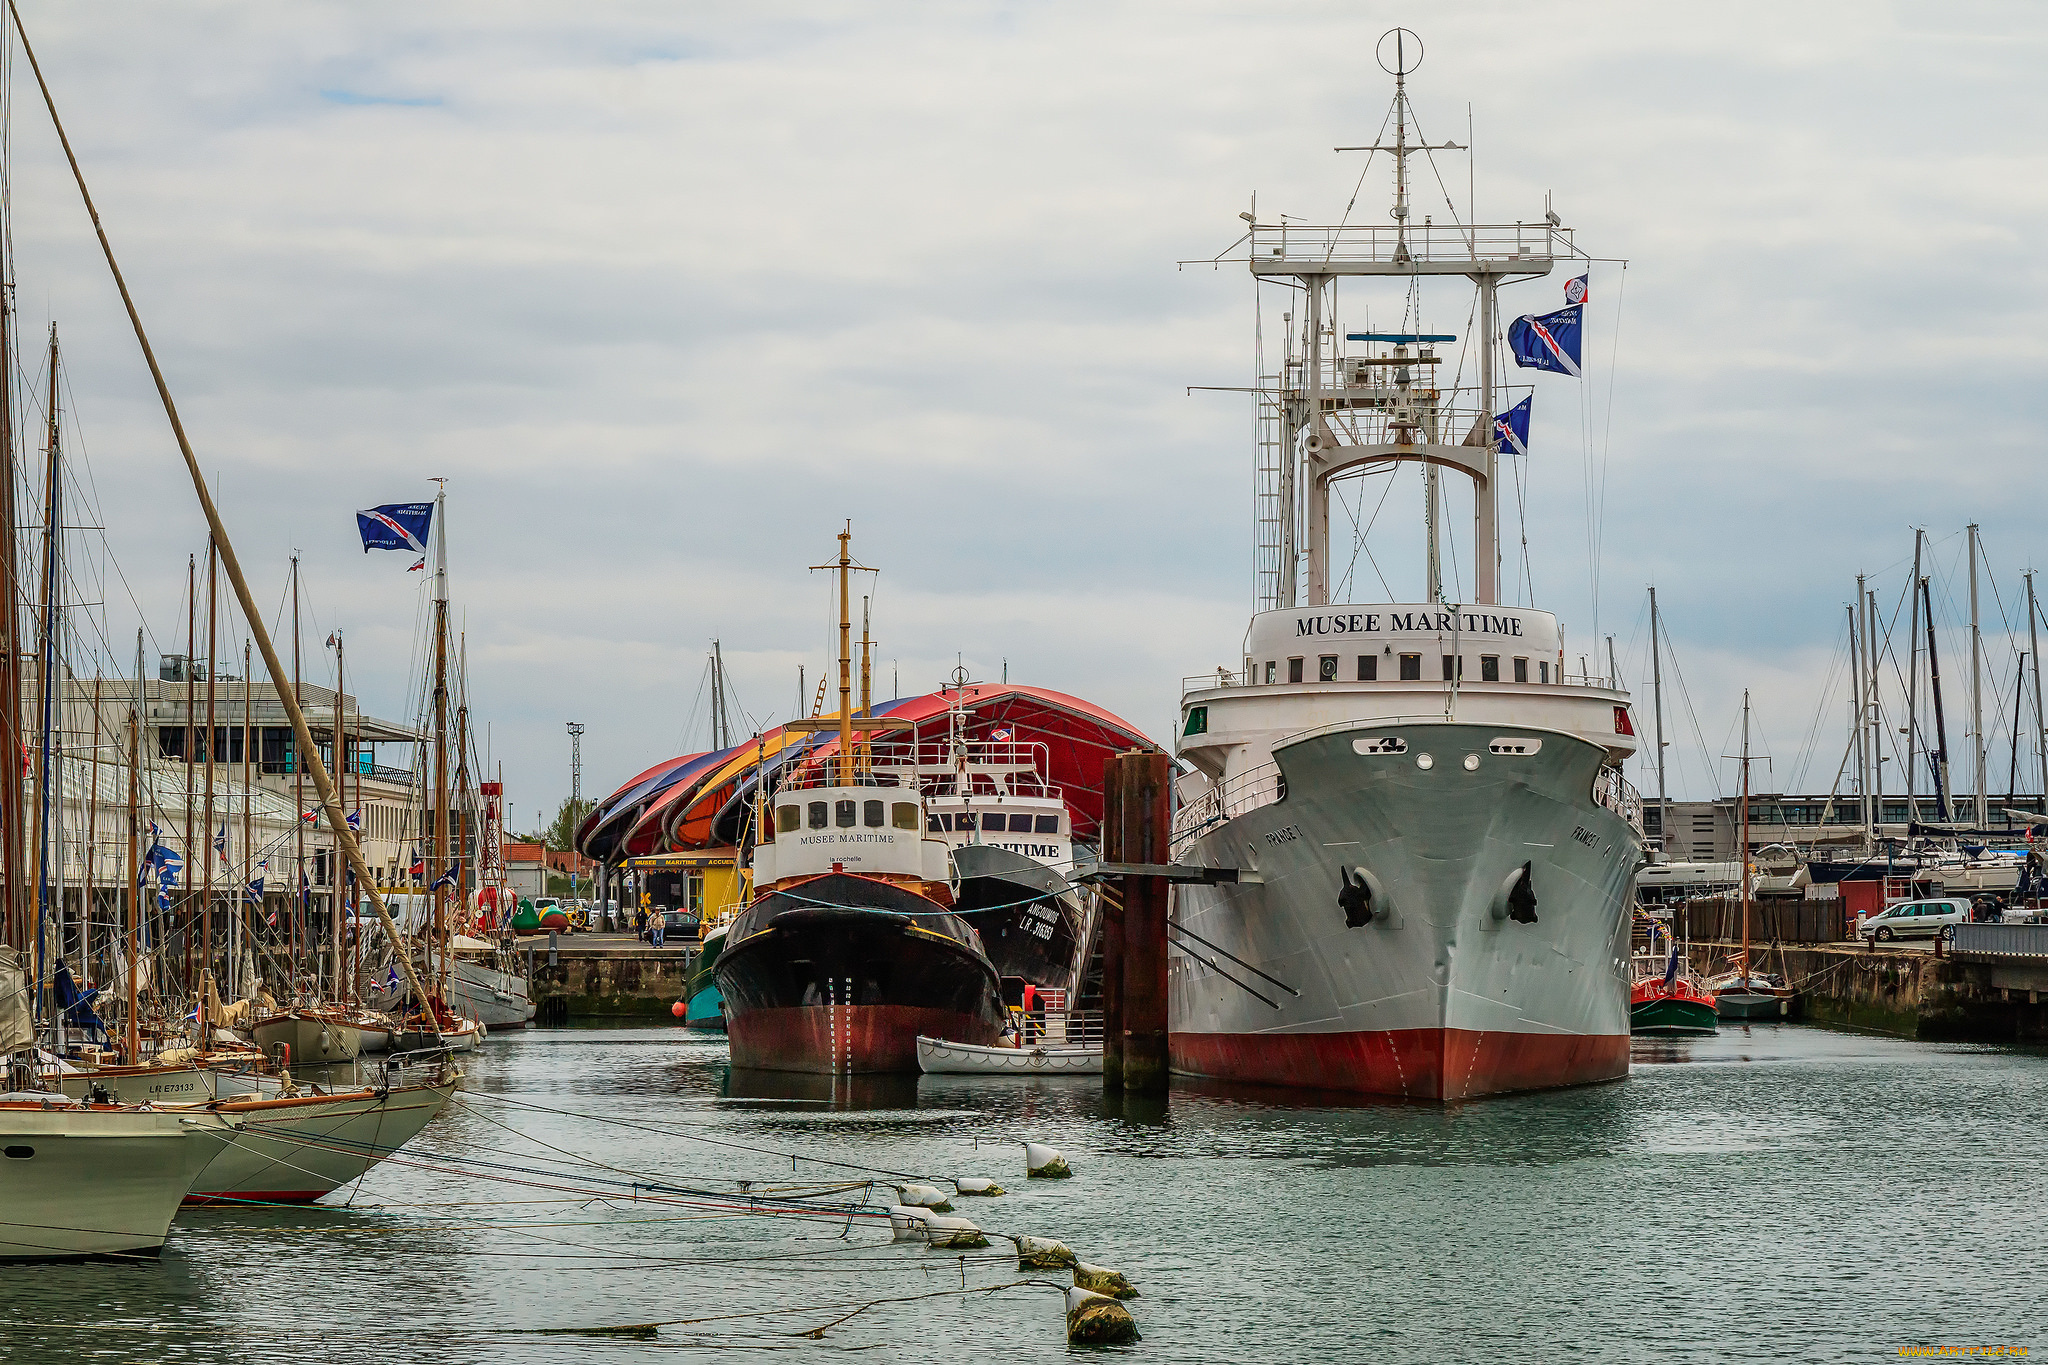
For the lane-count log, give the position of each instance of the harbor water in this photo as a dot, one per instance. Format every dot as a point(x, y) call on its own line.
point(1772, 1193)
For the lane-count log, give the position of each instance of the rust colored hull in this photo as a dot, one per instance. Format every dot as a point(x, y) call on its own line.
point(846, 1039)
point(1421, 1064)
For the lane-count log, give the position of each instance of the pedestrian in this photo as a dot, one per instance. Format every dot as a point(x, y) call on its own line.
point(654, 926)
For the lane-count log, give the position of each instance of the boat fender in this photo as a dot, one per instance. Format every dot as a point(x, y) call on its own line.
point(924, 1196)
point(1103, 1280)
point(1043, 1253)
point(1516, 899)
point(906, 1224)
point(953, 1234)
point(1098, 1320)
point(1045, 1163)
point(979, 1186)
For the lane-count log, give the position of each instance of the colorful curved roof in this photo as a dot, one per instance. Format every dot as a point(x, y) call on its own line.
point(700, 800)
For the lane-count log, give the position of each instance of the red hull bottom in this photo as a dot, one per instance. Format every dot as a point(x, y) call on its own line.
point(1420, 1063)
point(844, 1040)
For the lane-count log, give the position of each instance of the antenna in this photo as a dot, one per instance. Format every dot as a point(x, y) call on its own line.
point(575, 767)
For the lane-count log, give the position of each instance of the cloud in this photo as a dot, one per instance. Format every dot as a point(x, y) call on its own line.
point(668, 293)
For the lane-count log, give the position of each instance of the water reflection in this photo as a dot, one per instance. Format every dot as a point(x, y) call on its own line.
point(859, 1092)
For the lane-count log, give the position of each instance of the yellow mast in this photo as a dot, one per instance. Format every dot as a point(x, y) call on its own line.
point(866, 667)
point(846, 756)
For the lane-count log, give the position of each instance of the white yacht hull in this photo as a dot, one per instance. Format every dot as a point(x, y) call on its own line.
point(498, 1000)
point(294, 1150)
point(98, 1182)
point(935, 1056)
point(1451, 988)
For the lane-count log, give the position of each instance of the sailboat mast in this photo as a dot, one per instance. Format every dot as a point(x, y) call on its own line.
point(298, 794)
point(1859, 655)
point(1742, 853)
point(1913, 688)
point(2034, 648)
point(133, 1053)
point(1937, 758)
point(1977, 683)
point(341, 798)
point(1657, 706)
point(438, 862)
point(47, 846)
point(191, 750)
point(11, 794)
point(212, 737)
point(248, 909)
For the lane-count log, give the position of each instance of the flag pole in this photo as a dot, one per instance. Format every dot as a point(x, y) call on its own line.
point(322, 783)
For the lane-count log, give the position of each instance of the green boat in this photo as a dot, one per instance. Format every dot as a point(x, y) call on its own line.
point(1665, 1002)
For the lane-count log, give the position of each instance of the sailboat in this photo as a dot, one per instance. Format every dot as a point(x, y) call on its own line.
point(851, 946)
point(1746, 993)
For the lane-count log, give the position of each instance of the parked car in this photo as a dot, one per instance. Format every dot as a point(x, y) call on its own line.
point(1917, 919)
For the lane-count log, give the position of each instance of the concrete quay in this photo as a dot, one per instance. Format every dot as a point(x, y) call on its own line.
point(1906, 989)
point(605, 976)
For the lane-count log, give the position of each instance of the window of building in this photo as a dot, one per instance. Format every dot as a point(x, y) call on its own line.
point(787, 819)
point(170, 741)
point(1294, 670)
point(872, 813)
point(1411, 668)
point(1521, 670)
point(1326, 668)
point(1272, 670)
point(1489, 668)
point(820, 814)
point(844, 813)
point(1368, 667)
point(903, 814)
point(1045, 824)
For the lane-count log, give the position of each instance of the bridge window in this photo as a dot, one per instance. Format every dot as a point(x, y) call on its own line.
point(1326, 668)
point(903, 814)
point(1272, 670)
point(1294, 670)
point(843, 813)
point(787, 818)
point(1198, 721)
point(1368, 667)
point(1045, 824)
point(1411, 668)
point(1020, 824)
point(871, 814)
point(1521, 670)
point(1543, 671)
point(819, 813)
point(1489, 668)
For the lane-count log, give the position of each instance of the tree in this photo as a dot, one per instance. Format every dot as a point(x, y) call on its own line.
point(560, 833)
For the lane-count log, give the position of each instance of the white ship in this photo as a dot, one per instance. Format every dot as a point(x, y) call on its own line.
point(1433, 841)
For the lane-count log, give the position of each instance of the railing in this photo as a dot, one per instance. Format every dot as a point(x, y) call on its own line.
point(1367, 243)
point(1260, 786)
point(1619, 795)
point(2024, 941)
point(1012, 767)
point(1068, 1028)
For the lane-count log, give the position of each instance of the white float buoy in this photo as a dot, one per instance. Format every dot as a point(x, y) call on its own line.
point(1043, 1253)
point(1045, 1163)
point(906, 1224)
point(1103, 1280)
point(953, 1234)
point(924, 1196)
point(979, 1186)
point(1097, 1320)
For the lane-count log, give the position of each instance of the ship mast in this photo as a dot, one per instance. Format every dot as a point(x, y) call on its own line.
point(439, 889)
point(1742, 851)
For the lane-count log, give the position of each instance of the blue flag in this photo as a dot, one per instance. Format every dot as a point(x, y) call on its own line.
point(1671, 968)
point(446, 879)
point(1575, 289)
point(396, 526)
point(355, 820)
point(1547, 342)
point(1511, 428)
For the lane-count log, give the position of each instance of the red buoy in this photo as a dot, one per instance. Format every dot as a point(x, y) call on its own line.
point(679, 1009)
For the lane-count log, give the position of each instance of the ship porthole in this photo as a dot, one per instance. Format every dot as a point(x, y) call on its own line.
point(1471, 763)
point(1424, 762)
point(21, 1153)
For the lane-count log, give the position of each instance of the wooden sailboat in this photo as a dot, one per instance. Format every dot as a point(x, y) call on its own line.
point(1746, 993)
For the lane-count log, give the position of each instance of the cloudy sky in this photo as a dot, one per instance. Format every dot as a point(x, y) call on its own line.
point(668, 291)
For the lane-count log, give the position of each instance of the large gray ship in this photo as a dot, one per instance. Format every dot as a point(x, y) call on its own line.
point(1434, 842)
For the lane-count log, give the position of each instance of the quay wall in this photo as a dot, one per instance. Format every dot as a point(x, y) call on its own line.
point(620, 979)
point(1905, 991)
